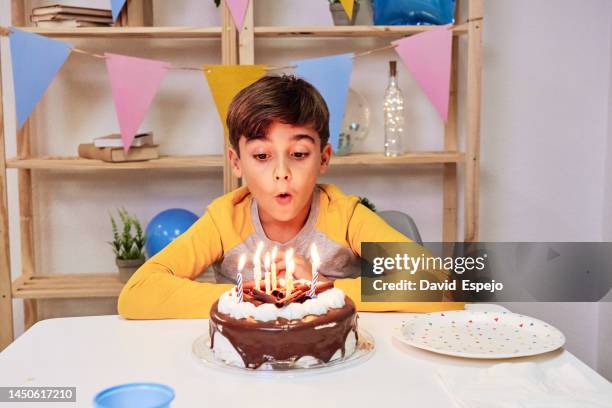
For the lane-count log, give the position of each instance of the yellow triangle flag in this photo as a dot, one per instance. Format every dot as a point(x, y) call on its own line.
point(225, 81)
point(348, 7)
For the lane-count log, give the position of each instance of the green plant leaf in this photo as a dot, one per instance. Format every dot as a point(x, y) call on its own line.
point(130, 242)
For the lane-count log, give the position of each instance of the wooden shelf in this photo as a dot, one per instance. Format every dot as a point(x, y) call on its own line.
point(348, 31)
point(76, 163)
point(128, 32)
point(379, 159)
point(216, 161)
point(215, 32)
point(63, 286)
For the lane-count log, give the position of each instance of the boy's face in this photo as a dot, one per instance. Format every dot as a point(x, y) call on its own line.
point(281, 169)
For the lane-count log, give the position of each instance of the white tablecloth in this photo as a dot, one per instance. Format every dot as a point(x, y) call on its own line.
point(96, 352)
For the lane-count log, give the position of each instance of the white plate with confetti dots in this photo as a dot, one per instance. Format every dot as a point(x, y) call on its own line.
point(476, 334)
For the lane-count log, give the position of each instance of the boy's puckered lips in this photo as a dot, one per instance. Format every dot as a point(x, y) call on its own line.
point(283, 198)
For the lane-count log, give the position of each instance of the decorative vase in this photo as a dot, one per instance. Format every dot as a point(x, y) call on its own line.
point(356, 124)
point(127, 267)
point(339, 15)
point(394, 114)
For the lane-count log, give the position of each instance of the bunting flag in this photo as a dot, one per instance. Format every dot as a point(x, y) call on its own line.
point(331, 76)
point(428, 57)
point(225, 81)
point(36, 60)
point(348, 7)
point(116, 7)
point(134, 83)
point(238, 10)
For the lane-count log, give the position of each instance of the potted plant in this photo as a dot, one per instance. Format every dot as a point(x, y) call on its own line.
point(339, 15)
point(128, 245)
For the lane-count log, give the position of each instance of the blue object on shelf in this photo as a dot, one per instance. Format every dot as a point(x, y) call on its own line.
point(413, 12)
point(165, 227)
point(135, 395)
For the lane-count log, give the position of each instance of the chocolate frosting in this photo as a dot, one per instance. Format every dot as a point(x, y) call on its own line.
point(258, 342)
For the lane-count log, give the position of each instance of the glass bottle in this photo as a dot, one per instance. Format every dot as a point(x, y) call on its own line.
point(394, 114)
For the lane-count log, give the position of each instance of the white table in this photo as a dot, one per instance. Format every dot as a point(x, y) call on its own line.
point(96, 352)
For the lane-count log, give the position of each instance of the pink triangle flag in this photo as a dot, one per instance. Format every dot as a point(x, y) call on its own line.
point(428, 58)
point(134, 83)
point(238, 10)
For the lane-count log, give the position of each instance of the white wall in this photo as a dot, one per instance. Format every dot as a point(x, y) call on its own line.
point(606, 224)
point(545, 121)
point(605, 309)
point(544, 130)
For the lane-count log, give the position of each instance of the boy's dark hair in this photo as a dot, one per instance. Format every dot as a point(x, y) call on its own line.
point(284, 99)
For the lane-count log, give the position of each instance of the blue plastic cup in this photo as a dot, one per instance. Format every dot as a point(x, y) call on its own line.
point(135, 395)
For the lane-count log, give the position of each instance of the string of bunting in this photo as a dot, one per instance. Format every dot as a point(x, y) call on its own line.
point(36, 60)
point(5, 31)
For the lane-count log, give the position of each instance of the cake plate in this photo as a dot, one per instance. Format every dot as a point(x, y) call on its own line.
point(365, 349)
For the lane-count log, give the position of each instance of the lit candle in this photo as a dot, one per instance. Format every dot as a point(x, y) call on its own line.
point(273, 267)
point(239, 289)
point(257, 265)
point(267, 273)
point(289, 268)
point(315, 261)
point(289, 280)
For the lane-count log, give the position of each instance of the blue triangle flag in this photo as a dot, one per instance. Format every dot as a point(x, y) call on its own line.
point(331, 76)
point(116, 6)
point(36, 60)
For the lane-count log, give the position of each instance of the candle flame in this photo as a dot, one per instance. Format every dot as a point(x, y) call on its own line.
point(274, 250)
point(267, 261)
point(257, 254)
point(258, 250)
point(241, 262)
point(289, 264)
point(290, 268)
point(314, 255)
point(288, 256)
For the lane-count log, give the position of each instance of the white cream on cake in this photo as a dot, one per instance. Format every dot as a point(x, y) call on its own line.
point(330, 299)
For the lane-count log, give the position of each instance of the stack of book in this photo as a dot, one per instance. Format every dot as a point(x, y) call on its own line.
point(110, 149)
point(61, 16)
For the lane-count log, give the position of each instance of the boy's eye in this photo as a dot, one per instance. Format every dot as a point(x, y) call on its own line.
point(260, 156)
point(300, 155)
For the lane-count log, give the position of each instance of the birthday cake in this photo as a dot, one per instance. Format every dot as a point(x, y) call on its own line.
point(300, 329)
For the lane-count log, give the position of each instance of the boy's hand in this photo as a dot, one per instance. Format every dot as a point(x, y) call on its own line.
point(303, 268)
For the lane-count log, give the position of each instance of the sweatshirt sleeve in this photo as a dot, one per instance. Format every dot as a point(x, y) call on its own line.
point(367, 226)
point(164, 286)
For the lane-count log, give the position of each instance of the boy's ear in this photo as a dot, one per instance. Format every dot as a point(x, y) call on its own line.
point(326, 155)
point(234, 160)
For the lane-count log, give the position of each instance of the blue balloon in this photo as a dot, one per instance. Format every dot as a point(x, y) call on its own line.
point(413, 12)
point(165, 227)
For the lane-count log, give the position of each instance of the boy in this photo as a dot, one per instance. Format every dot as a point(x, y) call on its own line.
point(278, 131)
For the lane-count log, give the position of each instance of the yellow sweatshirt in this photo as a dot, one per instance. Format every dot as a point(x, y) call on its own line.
point(164, 287)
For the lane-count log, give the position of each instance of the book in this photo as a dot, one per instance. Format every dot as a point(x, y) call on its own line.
point(114, 140)
point(69, 24)
point(60, 8)
point(81, 17)
point(117, 155)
